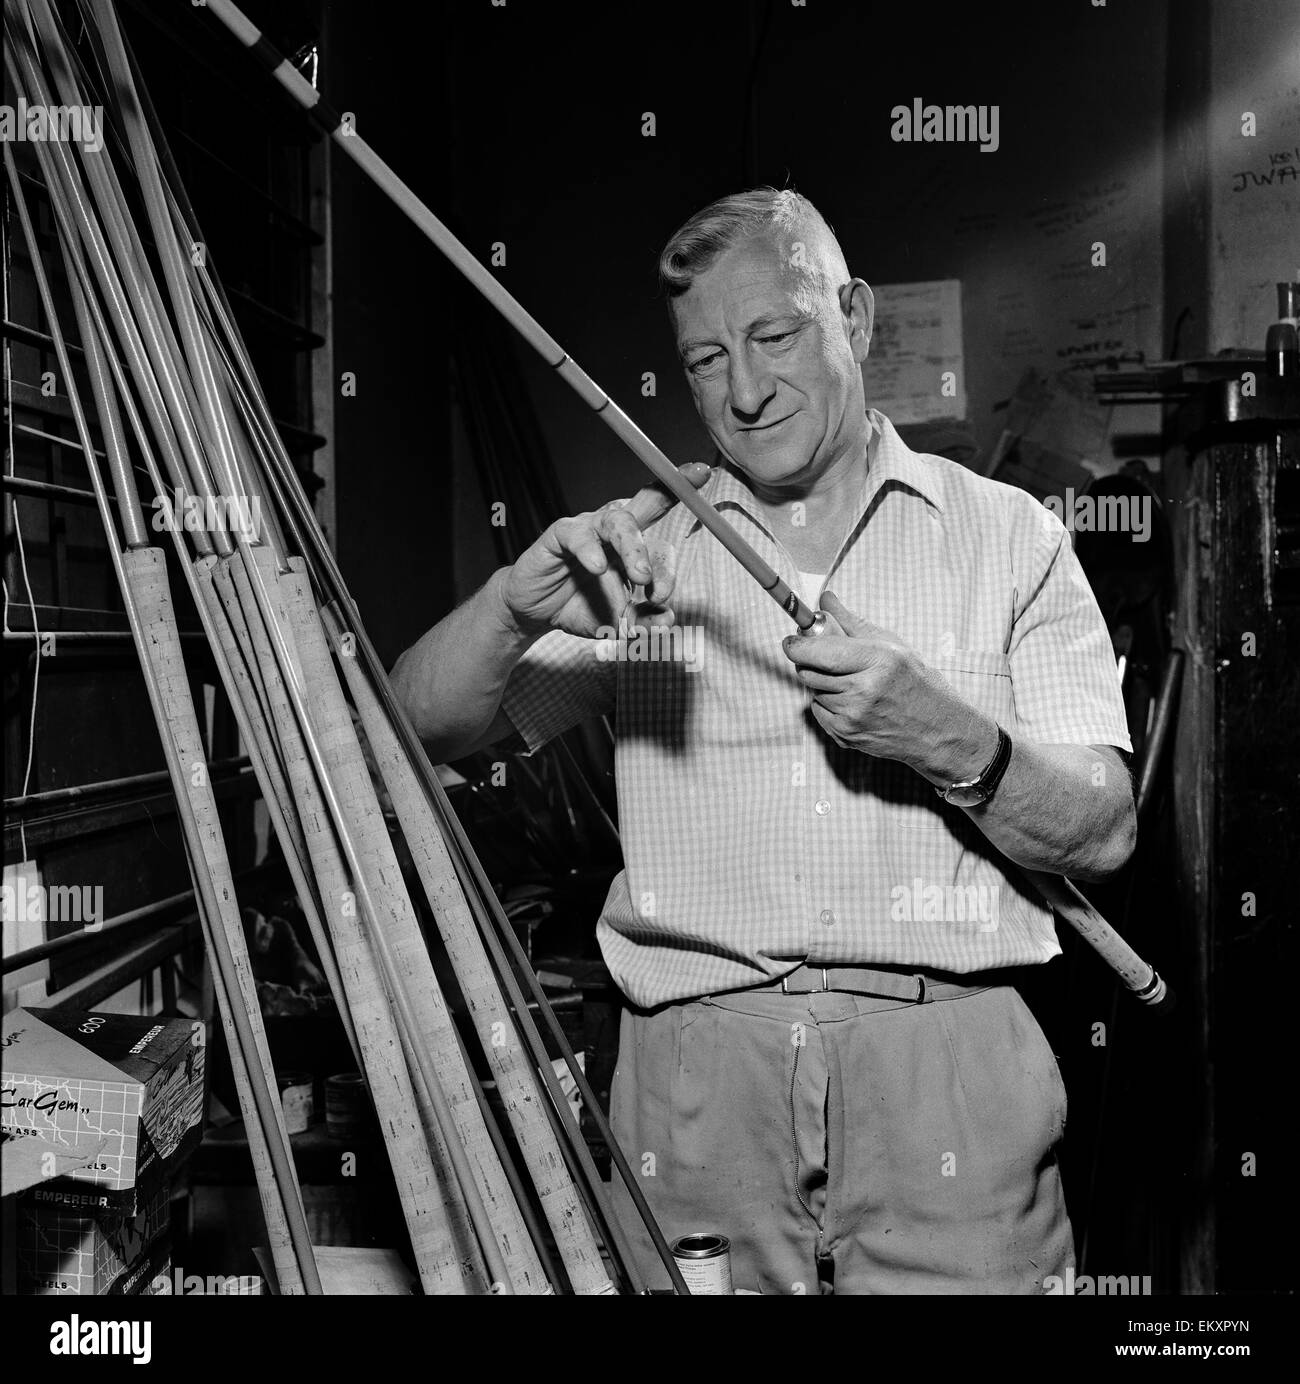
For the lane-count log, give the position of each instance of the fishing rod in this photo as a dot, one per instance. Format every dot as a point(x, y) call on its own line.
point(483, 998)
point(809, 621)
point(290, 494)
point(122, 320)
point(261, 755)
point(236, 674)
point(328, 737)
point(69, 240)
point(535, 1137)
point(534, 1134)
point(486, 909)
point(262, 570)
point(142, 580)
point(1138, 976)
point(475, 887)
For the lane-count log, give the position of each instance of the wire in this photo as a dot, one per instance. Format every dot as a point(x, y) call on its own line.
point(11, 462)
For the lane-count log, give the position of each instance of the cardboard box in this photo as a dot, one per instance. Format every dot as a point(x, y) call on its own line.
point(97, 1109)
point(61, 1251)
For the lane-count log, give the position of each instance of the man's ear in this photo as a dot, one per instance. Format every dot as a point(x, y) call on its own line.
point(858, 304)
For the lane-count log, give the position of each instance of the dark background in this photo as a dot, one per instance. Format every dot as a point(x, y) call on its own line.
point(522, 125)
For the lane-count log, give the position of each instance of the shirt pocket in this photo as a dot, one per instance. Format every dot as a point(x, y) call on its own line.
point(981, 677)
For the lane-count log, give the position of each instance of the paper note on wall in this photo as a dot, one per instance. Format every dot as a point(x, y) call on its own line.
point(915, 371)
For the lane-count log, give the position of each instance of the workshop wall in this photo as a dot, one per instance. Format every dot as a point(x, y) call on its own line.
point(1254, 177)
point(390, 433)
point(557, 171)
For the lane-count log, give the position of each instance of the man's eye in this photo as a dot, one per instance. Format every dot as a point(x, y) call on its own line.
point(780, 336)
point(705, 364)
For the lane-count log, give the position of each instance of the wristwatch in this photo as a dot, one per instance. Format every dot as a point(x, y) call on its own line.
point(974, 791)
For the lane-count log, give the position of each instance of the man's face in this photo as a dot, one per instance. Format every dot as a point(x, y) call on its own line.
point(773, 361)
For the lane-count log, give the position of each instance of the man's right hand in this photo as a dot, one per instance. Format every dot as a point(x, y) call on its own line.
point(581, 574)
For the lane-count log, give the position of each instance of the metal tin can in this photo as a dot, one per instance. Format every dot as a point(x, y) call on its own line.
point(346, 1105)
point(704, 1259)
point(296, 1101)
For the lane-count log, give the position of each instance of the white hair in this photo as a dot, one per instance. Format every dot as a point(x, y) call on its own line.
point(728, 221)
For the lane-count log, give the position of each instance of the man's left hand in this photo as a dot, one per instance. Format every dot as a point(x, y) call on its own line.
point(873, 693)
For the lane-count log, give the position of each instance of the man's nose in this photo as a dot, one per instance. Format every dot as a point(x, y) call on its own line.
point(750, 386)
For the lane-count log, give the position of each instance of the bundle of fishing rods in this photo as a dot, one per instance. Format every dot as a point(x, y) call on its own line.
point(168, 381)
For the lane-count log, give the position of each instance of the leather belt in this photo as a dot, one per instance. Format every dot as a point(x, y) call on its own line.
point(899, 983)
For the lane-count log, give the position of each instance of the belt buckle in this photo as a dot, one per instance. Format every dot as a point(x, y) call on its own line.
point(785, 983)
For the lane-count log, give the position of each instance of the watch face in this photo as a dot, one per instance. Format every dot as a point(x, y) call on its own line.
point(966, 797)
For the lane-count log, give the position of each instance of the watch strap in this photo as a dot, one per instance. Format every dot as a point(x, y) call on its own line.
point(982, 787)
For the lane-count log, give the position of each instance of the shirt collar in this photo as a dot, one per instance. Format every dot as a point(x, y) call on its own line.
point(889, 459)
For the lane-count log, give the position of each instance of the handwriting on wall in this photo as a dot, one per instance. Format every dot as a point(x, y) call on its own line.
point(1283, 167)
point(1082, 206)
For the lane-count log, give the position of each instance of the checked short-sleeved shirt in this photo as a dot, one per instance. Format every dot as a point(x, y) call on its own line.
point(751, 841)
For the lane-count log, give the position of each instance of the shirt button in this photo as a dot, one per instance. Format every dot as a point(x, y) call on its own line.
point(827, 918)
point(822, 808)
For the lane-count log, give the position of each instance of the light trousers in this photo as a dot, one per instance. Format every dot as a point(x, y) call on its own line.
point(849, 1144)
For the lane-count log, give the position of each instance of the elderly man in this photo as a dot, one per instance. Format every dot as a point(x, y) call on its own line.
point(824, 1056)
